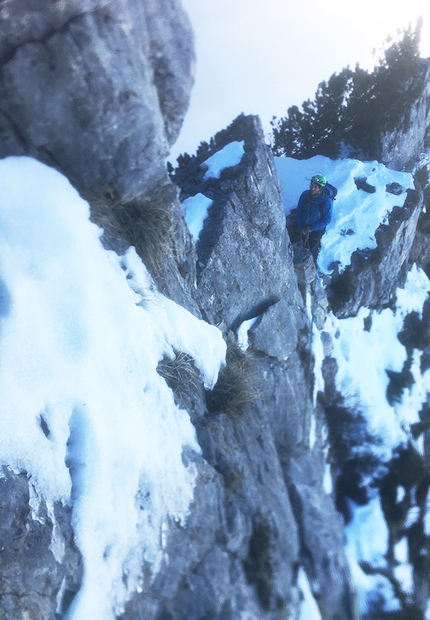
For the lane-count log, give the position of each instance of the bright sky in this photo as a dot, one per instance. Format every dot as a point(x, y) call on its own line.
point(262, 56)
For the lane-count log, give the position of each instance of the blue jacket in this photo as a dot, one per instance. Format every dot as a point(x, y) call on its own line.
point(314, 212)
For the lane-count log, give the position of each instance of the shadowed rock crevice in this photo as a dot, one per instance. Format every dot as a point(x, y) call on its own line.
point(255, 312)
point(258, 564)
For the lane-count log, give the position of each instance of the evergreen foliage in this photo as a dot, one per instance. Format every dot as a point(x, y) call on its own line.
point(354, 108)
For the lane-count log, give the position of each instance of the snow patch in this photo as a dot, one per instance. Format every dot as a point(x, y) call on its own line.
point(230, 155)
point(364, 356)
point(328, 480)
point(242, 333)
point(83, 409)
point(356, 213)
point(367, 541)
point(318, 351)
point(308, 607)
point(195, 212)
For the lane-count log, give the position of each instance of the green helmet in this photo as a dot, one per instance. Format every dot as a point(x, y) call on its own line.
point(319, 179)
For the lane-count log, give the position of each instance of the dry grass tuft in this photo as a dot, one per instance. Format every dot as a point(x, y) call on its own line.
point(144, 223)
point(103, 208)
point(180, 373)
point(148, 224)
point(235, 386)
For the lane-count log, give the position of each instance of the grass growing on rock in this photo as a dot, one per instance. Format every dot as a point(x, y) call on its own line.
point(180, 373)
point(144, 222)
point(235, 386)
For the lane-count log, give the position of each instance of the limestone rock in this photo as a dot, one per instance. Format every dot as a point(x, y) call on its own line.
point(40, 566)
point(96, 89)
point(246, 270)
point(401, 148)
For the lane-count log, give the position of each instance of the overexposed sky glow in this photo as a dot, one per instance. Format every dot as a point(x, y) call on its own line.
point(262, 56)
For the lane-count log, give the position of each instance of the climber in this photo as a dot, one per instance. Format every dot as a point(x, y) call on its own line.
point(314, 213)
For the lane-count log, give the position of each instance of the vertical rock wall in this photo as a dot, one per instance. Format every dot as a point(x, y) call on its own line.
point(98, 90)
point(401, 148)
point(272, 468)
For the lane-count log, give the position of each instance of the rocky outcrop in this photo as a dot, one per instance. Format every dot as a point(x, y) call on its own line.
point(98, 90)
point(373, 275)
point(401, 148)
point(95, 88)
point(272, 470)
point(40, 566)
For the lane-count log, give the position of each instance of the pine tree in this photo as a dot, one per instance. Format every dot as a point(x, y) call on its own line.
point(354, 108)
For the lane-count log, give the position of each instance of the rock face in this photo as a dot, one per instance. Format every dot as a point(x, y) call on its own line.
point(40, 567)
point(98, 90)
point(401, 148)
point(95, 88)
point(271, 502)
point(373, 275)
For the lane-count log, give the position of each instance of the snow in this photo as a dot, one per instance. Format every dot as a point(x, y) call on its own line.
point(230, 155)
point(404, 571)
point(242, 333)
point(372, 543)
point(83, 409)
point(367, 541)
point(427, 518)
point(318, 351)
point(313, 431)
point(412, 516)
point(327, 480)
point(364, 355)
point(85, 413)
point(195, 212)
point(400, 494)
point(308, 608)
point(401, 550)
point(196, 207)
